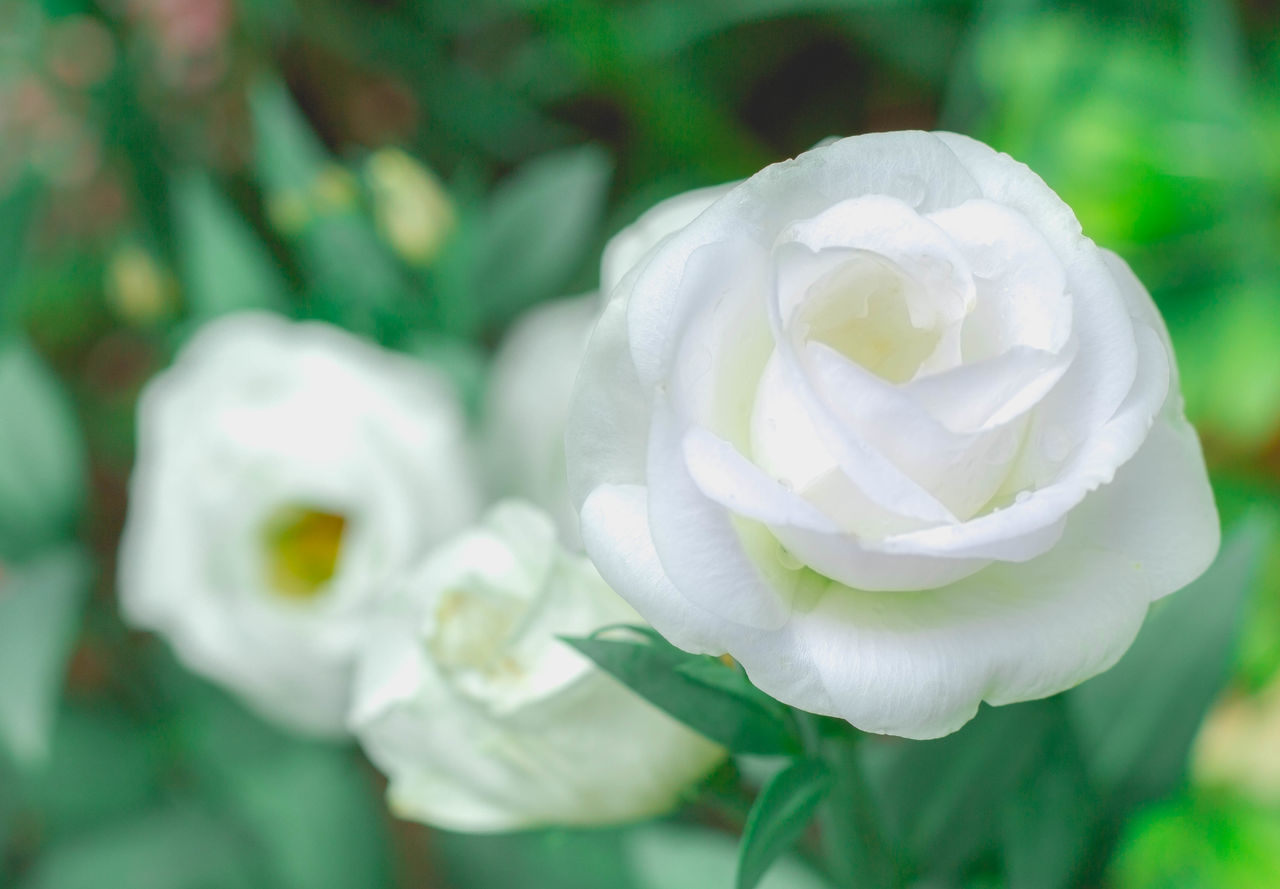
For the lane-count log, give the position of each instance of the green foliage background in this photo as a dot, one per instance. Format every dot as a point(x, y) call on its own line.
point(165, 161)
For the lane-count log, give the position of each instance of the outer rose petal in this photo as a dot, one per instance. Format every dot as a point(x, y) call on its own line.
point(627, 247)
point(608, 425)
point(1018, 632)
point(615, 527)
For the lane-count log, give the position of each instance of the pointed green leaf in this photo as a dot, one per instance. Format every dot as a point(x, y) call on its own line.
point(781, 813)
point(42, 462)
point(540, 227)
point(40, 606)
point(654, 669)
point(287, 154)
point(1137, 721)
point(224, 266)
point(730, 679)
point(941, 800)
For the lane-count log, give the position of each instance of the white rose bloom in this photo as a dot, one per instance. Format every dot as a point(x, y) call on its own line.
point(284, 472)
point(882, 424)
point(527, 407)
point(483, 720)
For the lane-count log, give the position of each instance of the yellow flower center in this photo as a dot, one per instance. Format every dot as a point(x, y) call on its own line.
point(303, 545)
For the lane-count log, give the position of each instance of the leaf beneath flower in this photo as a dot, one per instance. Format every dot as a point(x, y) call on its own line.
point(705, 694)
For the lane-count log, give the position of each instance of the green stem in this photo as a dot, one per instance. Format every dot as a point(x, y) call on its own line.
point(857, 855)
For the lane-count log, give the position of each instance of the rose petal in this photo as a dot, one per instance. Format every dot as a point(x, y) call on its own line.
point(981, 396)
point(616, 530)
point(608, 424)
point(628, 247)
point(890, 228)
point(1105, 365)
point(918, 169)
point(697, 541)
point(1021, 284)
point(961, 471)
point(882, 481)
point(918, 665)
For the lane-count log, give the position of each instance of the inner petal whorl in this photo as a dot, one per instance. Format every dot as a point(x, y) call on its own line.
point(864, 311)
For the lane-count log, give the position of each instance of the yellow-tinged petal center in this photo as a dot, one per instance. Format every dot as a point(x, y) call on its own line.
point(863, 311)
point(303, 545)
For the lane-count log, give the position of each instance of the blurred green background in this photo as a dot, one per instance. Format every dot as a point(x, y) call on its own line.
point(420, 172)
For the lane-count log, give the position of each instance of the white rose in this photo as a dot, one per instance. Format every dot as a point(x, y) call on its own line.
point(284, 472)
point(527, 406)
point(483, 720)
point(884, 426)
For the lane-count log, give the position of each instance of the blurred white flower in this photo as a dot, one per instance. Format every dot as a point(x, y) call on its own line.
point(527, 406)
point(883, 425)
point(483, 720)
point(285, 471)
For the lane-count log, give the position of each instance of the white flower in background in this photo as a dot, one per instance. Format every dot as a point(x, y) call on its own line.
point(483, 720)
point(527, 406)
point(285, 471)
point(882, 424)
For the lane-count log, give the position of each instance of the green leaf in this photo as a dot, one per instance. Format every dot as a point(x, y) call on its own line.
point(1137, 721)
point(102, 767)
point(317, 818)
point(42, 461)
point(941, 800)
point(1048, 822)
point(564, 859)
point(352, 277)
point(15, 213)
point(180, 847)
point(224, 266)
point(287, 154)
point(781, 813)
point(734, 714)
point(539, 228)
point(682, 856)
point(40, 608)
